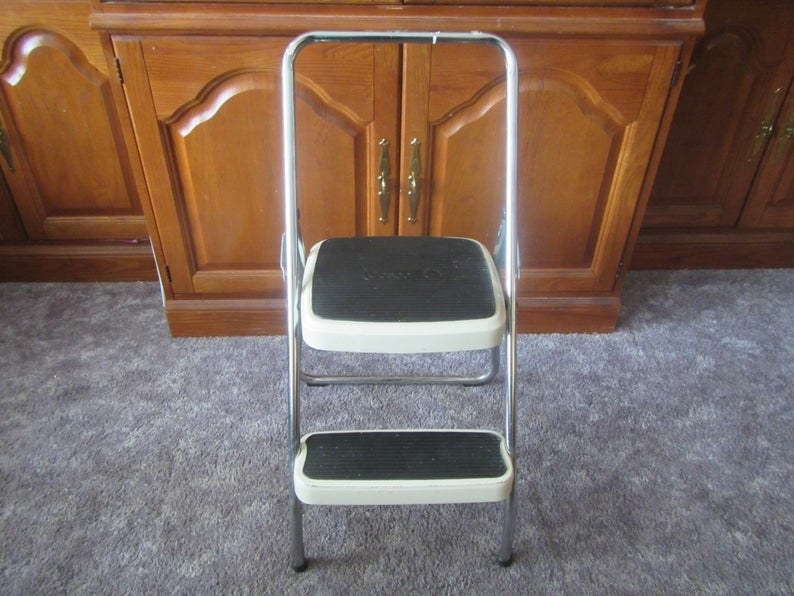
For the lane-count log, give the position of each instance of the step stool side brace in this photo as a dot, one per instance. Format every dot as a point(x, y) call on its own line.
point(293, 266)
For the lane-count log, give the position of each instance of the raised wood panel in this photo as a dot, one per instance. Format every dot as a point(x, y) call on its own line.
point(68, 179)
point(563, 209)
point(213, 175)
point(230, 196)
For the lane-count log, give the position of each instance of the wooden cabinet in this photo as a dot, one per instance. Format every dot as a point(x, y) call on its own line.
point(724, 193)
point(68, 185)
point(206, 113)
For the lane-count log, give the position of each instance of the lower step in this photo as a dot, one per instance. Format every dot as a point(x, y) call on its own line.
point(387, 467)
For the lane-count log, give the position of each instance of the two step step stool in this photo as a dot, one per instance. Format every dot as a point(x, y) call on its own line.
point(399, 295)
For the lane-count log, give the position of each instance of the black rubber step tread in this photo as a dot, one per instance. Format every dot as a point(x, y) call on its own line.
point(402, 279)
point(403, 455)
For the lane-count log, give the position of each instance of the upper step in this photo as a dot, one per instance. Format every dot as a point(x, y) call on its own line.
point(401, 294)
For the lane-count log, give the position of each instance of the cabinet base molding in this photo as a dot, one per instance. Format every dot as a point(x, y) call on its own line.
point(233, 317)
point(62, 262)
point(568, 314)
point(713, 251)
point(213, 317)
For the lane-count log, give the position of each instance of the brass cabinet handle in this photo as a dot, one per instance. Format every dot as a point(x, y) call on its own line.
point(788, 134)
point(413, 180)
point(5, 149)
point(761, 137)
point(784, 141)
point(384, 171)
point(767, 127)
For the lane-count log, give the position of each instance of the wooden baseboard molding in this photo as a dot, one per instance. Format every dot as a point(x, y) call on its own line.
point(712, 252)
point(568, 314)
point(59, 262)
point(200, 318)
point(196, 318)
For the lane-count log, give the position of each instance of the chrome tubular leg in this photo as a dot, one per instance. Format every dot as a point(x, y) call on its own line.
point(297, 555)
point(508, 530)
point(506, 549)
point(505, 558)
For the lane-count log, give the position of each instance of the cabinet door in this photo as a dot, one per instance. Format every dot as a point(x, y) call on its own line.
point(771, 202)
point(63, 152)
point(725, 115)
point(207, 114)
point(589, 114)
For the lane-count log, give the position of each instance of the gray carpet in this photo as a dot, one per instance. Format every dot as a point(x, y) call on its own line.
point(655, 460)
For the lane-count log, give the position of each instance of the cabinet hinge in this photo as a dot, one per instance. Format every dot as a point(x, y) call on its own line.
point(676, 74)
point(118, 71)
point(168, 273)
point(620, 270)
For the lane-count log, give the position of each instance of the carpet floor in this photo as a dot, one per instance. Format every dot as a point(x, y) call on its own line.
point(658, 459)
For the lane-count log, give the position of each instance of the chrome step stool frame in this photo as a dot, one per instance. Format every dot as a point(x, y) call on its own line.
point(293, 264)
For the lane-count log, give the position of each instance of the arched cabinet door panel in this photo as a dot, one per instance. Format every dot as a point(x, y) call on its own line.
point(63, 155)
point(589, 114)
point(208, 118)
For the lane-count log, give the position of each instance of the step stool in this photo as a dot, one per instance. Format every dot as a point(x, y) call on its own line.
point(370, 294)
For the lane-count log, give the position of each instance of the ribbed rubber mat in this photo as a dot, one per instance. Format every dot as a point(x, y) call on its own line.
point(403, 455)
point(402, 279)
